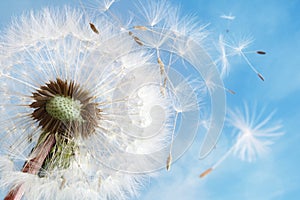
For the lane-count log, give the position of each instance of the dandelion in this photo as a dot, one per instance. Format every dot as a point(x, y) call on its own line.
point(92, 103)
point(78, 101)
point(254, 133)
point(83, 110)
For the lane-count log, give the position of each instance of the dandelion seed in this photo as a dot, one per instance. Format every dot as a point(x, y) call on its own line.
point(93, 27)
point(70, 113)
point(239, 50)
point(169, 159)
point(162, 73)
point(254, 136)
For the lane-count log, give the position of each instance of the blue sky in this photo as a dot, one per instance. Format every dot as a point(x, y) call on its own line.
point(276, 29)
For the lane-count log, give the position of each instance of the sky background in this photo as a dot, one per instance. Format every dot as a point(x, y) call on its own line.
point(276, 29)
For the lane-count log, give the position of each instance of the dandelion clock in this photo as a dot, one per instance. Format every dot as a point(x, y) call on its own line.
point(95, 100)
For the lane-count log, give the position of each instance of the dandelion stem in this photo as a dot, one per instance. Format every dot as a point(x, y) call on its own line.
point(15, 194)
point(33, 166)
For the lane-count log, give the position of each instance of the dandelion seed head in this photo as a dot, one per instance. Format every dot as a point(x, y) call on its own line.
point(63, 108)
point(91, 104)
point(61, 105)
point(85, 107)
point(80, 90)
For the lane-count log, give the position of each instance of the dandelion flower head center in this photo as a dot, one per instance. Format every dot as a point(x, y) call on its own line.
point(64, 108)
